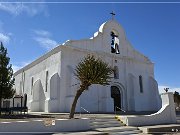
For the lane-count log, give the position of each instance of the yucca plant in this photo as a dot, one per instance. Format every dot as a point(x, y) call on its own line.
point(90, 71)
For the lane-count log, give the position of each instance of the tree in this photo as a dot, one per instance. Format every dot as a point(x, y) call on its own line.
point(90, 71)
point(177, 98)
point(6, 75)
point(166, 89)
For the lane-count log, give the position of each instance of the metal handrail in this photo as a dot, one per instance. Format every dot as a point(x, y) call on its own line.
point(85, 110)
point(119, 109)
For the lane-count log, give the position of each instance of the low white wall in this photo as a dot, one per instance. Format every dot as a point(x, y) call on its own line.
point(165, 115)
point(34, 106)
point(51, 105)
point(40, 126)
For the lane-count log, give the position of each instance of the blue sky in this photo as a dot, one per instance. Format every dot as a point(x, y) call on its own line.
point(29, 30)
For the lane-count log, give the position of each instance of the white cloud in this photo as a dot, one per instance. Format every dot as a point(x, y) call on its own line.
point(43, 38)
point(18, 8)
point(4, 38)
point(19, 65)
point(43, 33)
point(16, 68)
point(171, 89)
point(14, 9)
point(46, 42)
point(1, 25)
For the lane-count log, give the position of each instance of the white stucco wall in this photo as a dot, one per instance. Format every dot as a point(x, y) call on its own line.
point(62, 84)
point(37, 71)
point(129, 61)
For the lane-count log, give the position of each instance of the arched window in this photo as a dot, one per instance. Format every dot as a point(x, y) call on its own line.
point(141, 84)
point(114, 43)
point(116, 72)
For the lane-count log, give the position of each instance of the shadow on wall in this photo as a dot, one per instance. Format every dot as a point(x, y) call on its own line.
point(131, 85)
point(54, 86)
point(54, 92)
point(156, 103)
point(38, 98)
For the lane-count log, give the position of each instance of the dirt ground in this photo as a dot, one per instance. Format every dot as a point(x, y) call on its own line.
point(30, 117)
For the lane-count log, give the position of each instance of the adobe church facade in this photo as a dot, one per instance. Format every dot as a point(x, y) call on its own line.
point(50, 84)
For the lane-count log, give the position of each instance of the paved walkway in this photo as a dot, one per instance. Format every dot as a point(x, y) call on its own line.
point(105, 128)
point(125, 130)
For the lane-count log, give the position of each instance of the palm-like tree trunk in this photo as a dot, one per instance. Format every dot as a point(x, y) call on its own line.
point(78, 94)
point(90, 71)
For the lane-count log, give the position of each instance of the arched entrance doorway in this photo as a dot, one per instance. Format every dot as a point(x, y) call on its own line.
point(116, 95)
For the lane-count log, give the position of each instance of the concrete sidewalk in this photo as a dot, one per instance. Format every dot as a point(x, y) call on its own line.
point(156, 129)
point(165, 128)
point(169, 128)
point(161, 129)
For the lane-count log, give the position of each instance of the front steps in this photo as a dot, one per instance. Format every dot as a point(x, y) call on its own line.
point(120, 130)
point(107, 124)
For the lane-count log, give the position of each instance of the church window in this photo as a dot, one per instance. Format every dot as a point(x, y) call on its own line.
point(32, 81)
point(114, 43)
point(23, 81)
point(46, 81)
point(116, 72)
point(141, 84)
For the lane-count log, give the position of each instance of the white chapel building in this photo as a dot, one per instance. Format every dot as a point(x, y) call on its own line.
point(50, 83)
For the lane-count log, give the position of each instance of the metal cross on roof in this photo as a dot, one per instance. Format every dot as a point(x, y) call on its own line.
point(113, 14)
